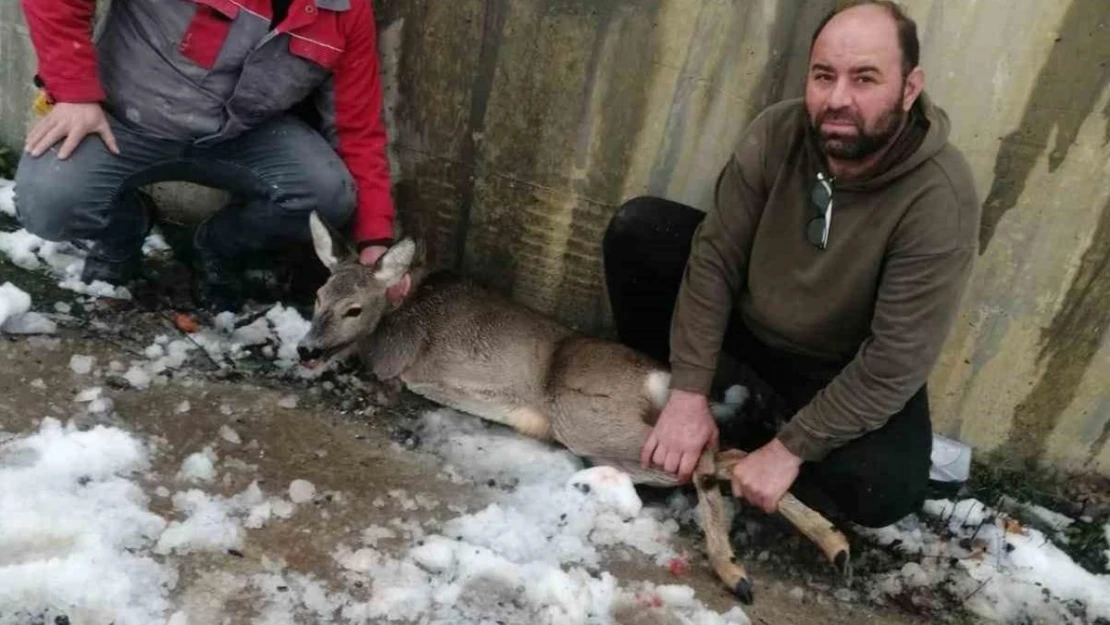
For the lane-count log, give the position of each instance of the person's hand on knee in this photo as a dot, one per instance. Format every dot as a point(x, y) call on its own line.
point(70, 123)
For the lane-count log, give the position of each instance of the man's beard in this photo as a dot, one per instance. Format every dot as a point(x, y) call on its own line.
point(864, 143)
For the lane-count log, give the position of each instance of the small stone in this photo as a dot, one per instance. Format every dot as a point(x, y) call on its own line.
point(88, 394)
point(764, 556)
point(301, 491)
point(230, 435)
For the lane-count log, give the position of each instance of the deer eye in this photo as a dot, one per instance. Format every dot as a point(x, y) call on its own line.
point(353, 311)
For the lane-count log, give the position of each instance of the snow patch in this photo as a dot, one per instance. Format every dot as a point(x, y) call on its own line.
point(1009, 572)
point(74, 527)
point(199, 466)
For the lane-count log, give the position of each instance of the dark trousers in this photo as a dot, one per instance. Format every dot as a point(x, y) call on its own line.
point(277, 173)
point(873, 481)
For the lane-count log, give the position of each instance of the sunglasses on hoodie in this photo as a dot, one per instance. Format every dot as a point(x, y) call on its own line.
point(817, 231)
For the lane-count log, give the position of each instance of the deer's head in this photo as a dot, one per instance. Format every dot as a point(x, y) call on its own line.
point(351, 303)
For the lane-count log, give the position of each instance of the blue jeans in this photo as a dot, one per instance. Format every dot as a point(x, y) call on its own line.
point(277, 174)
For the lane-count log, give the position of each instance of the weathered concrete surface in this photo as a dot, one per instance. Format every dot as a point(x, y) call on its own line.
point(17, 70)
point(533, 120)
point(518, 127)
point(335, 453)
point(1027, 371)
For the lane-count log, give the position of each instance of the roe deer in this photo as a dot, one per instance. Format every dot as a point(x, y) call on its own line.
point(470, 349)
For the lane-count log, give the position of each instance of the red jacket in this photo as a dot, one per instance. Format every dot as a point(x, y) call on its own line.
point(224, 71)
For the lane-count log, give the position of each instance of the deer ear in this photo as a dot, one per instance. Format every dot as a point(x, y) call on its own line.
point(330, 248)
point(395, 263)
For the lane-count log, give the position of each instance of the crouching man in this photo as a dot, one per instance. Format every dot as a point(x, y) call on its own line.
point(202, 91)
point(832, 263)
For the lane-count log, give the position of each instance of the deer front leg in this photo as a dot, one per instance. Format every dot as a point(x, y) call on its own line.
point(812, 524)
point(711, 507)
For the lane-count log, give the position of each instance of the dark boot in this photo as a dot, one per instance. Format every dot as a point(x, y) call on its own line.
point(111, 264)
point(119, 262)
point(218, 278)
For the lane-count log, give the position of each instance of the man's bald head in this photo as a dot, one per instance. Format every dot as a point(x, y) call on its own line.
point(905, 28)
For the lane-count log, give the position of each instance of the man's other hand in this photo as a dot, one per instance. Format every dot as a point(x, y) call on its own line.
point(680, 435)
point(763, 476)
point(70, 123)
point(398, 291)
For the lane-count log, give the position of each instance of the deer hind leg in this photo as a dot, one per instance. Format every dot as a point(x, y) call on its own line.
point(613, 434)
point(527, 420)
point(711, 508)
point(814, 526)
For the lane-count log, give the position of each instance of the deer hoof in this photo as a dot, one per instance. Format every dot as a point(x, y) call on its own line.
point(743, 591)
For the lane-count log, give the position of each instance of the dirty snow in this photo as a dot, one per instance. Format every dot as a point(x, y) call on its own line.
point(81, 364)
point(209, 525)
point(1007, 572)
point(14, 302)
point(224, 344)
point(30, 323)
point(301, 491)
point(77, 538)
point(155, 243)
point(199, 466)
point(735, 398)
point(81, 544)
point(63, 260)
point(531, 556)
point(16, 316)
point(74, 527)
point(137, 377)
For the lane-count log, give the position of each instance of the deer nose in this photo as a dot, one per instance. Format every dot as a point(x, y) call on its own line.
point(308, 353)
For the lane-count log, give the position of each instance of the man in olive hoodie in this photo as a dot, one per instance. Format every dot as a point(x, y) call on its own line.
point(832, 263)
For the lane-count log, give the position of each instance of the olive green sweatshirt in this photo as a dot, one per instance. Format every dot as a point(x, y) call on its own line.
point(882, 296)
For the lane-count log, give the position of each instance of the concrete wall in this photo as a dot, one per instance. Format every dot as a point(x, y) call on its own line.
point(518, 126)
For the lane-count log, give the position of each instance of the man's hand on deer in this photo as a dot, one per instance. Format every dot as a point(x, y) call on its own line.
point(683, 431)
point(765, 475)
